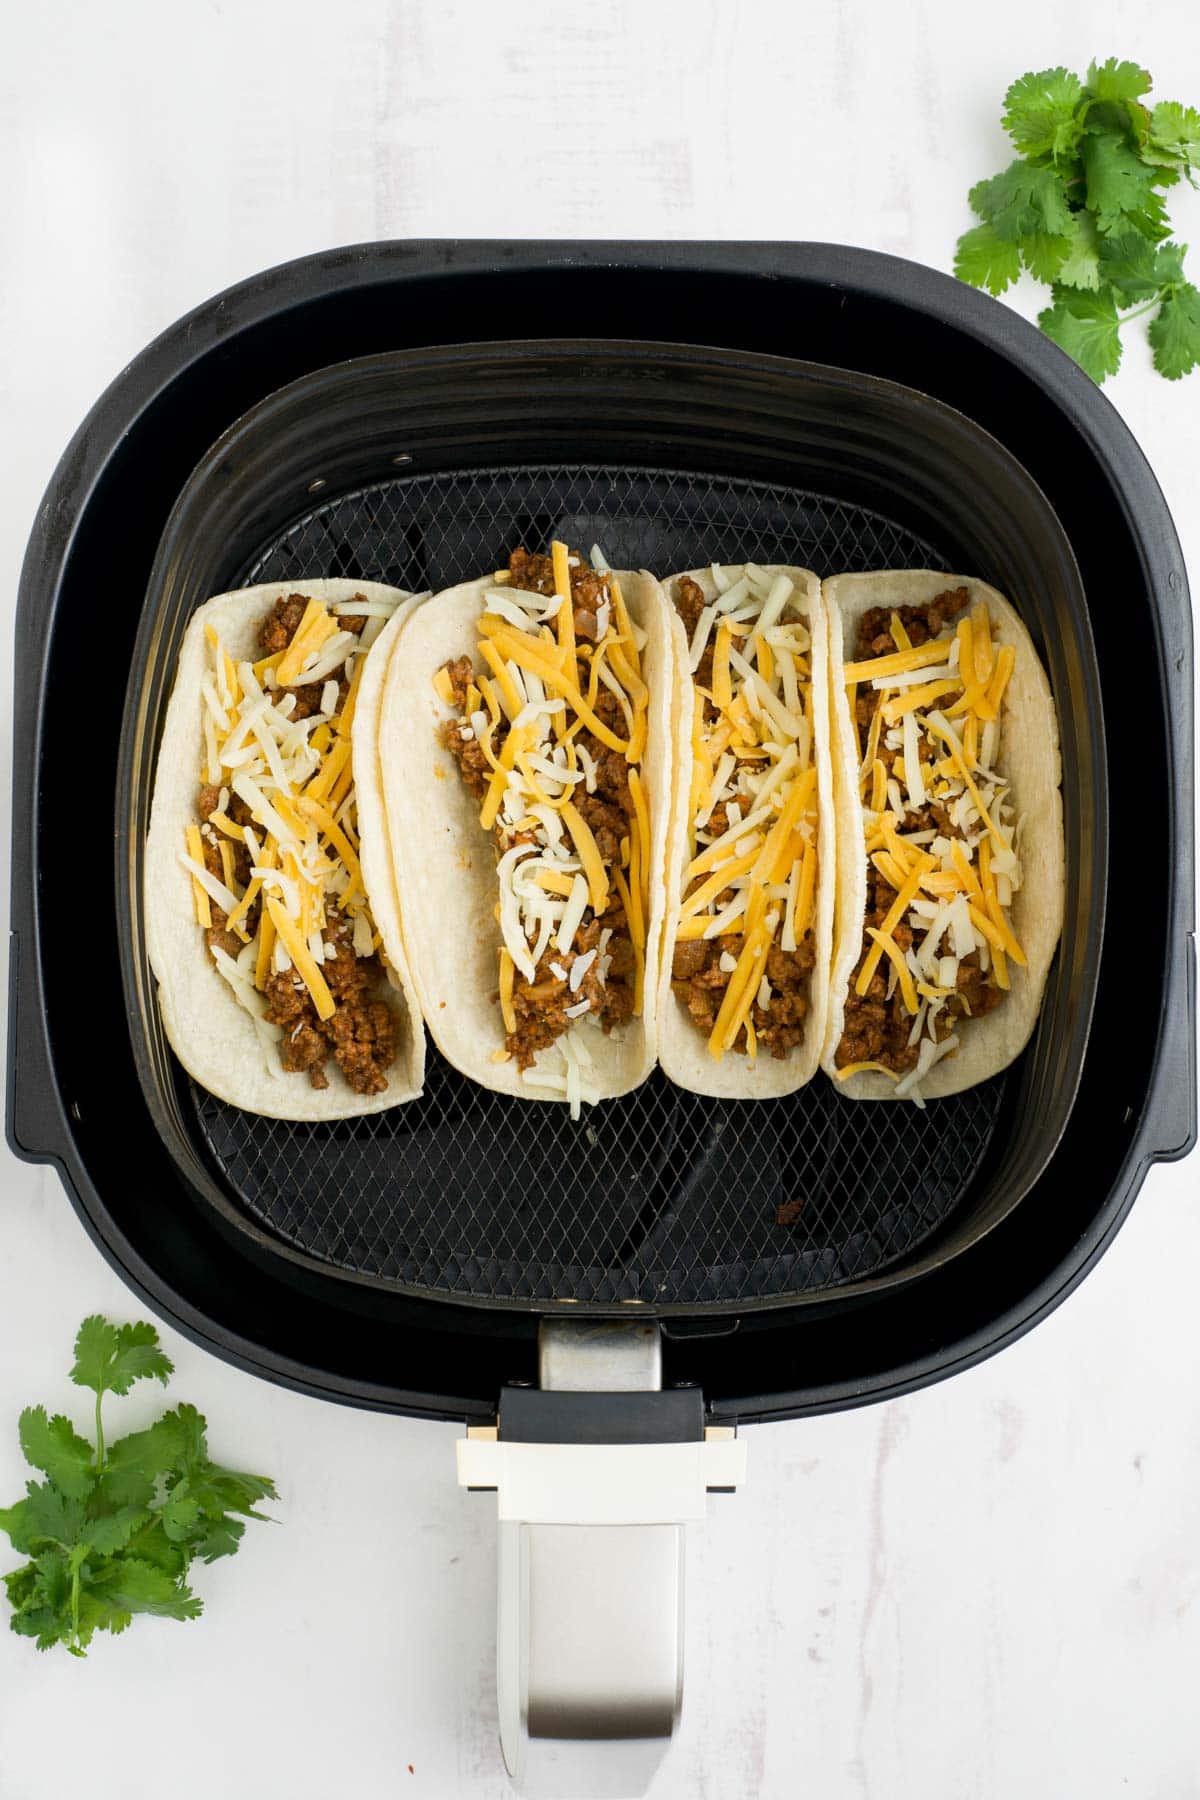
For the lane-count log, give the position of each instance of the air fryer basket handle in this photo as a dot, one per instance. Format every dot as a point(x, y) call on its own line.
point(594, 1486)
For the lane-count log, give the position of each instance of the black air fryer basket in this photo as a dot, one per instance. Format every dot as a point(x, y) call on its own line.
point(408, 413)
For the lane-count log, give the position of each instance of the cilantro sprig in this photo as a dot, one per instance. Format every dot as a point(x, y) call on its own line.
point(1082, 209)
point(114, 1528)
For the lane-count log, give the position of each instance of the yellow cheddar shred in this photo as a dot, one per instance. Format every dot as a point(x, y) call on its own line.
point(638, 942)
point(196, 852)
point(624, 624)
point(507, 1010)
point(722, 688)
point(981, 640)
point(1006, 656)
point(321, 784)
point(510, 698)
point(895, 913)
point(266, 944)
point(345, 718)
point(923, 656)
point(740, 994)
point(900, 637)
point(642, 815)
point(589, 856)
point(966, 652)
point(862, 1068)
point(802, 914)
point(315, 628)
point(895, 955)
point(708, 890)
point(302, 960)
point(913, 698)
point(565, 618)
point(551, 882)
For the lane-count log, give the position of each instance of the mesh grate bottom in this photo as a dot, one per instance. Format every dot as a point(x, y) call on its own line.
point(664, 1197)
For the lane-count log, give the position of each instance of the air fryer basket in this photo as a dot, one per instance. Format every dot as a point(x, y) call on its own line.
point(77, 1096)
point(666, 1199)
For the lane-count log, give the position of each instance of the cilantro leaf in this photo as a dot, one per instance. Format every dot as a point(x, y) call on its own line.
point(987, 260)
point(113, 1530)
point(180, 1514)
point(110, 1358)
point(1044, 255)
point(1081, 268)
point(191, 1428)
point(1174, 138)
point(1175, 332)
point(1176, 128)
point(153, 1546)
point(20, 1585)
point(137, 1586)
point(162, 1447)
point(1168, 264)
point(1039, 113)
point(203, 1495)
point(55, 1447)
point(99, 1612)
point(51, 1516)
point(1113, 80)
point(220, 1539)
point(1086, 326)
point(1127, 262)
point(14, 1522)
point(1023, 199)
point(240, 1492)
point(40, 1594)
point(1120, 185)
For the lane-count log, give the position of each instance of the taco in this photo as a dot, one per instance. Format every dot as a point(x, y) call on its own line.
point(282, 986)
point(950, 839)
point(750, 864)
point(525, 752)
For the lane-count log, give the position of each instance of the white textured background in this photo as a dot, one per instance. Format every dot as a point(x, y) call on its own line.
point(986, 1591)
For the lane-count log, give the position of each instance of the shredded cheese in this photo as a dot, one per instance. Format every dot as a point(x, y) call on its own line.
point(968, 865)
point(753, 875)
point(296, 778)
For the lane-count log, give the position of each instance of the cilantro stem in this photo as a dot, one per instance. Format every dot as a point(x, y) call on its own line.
point(75, 1604)
point(1149, 307)
point(99, 1433)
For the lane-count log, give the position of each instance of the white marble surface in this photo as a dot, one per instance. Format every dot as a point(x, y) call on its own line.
point(984, 1591)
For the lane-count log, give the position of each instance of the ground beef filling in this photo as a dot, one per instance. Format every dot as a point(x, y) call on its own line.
point(698, 981)
point(876, 1028)
point(360, 1034)
point(541, 1005)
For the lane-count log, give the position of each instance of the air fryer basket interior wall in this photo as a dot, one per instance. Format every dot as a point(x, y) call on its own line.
point(664, 1199)
point(89, 558)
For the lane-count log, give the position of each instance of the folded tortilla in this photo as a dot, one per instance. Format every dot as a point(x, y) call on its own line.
point(215, 1038)
point(683, 1046)
point(1028, 755)
point(444, 862)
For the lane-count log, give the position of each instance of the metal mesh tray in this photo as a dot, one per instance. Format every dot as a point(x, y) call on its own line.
point(665, 1197)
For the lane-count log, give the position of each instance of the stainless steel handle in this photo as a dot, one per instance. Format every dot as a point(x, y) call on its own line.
point(589, 1650)
point(589, 1654)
